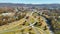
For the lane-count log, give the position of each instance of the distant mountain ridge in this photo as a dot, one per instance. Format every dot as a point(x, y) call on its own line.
point(30, 5)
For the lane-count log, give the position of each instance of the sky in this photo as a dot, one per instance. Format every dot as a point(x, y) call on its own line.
point(31, 1)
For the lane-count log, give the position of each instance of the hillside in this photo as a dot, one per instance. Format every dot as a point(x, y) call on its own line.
point(40, 18)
